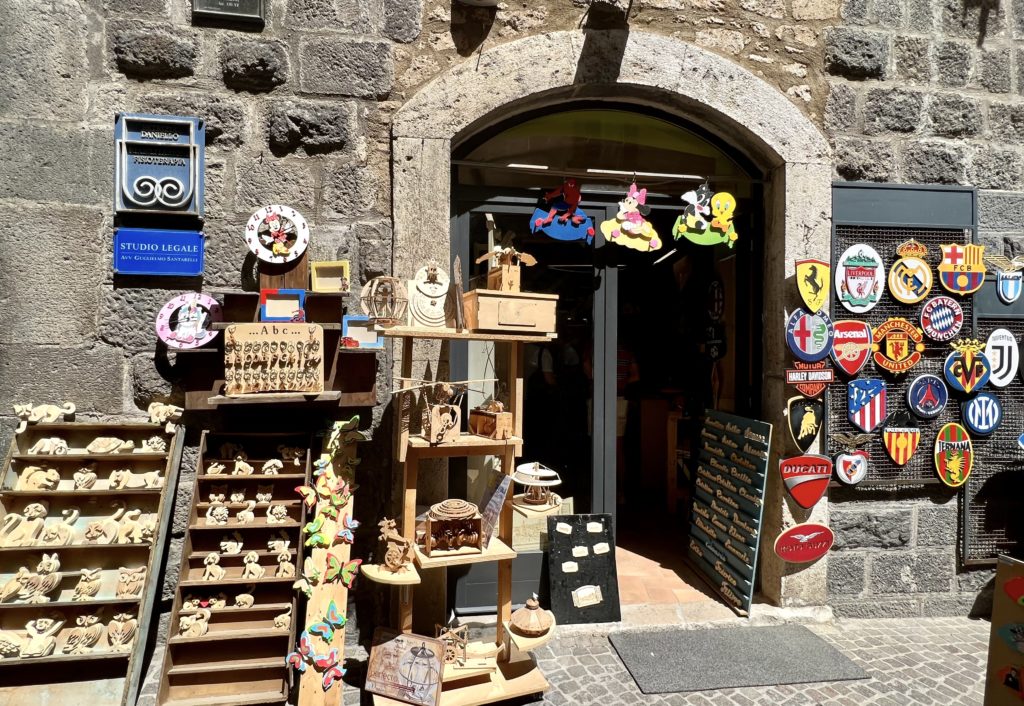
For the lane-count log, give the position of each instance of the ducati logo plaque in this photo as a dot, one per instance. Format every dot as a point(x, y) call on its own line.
point(1004, 356)
point(859, 278)
point(804, 543)
point(806, 478)
point(910, 278)
point(809, 335)
point(810, 379)
point(812, 279)
point(954, 455)
point(962, 270)
point(927, 396)
point(967, 368)
point(942, 318)
point(865, 403)
point(897, 345)
point(851, 345)
point(982, 414)
point(805, 416)
point(901, 438)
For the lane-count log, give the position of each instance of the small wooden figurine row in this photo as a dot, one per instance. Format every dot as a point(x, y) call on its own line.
point(35, 586)
point(28, 528)
point(43, 634)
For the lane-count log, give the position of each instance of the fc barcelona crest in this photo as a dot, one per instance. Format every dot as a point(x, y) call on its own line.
point(982, 414)
point(962, 270)
point(805, 417)
point(910, 278)
point(954, 455)
point(1003, 355)
point(927, 396)
point(809, 335)
point(901, 438)
point(967, 368)
point(851, 345)
point(812, 279)
point(942, 318)
point(859, 278)
point(897, 345)
point(1009, 278)
point(865, 403)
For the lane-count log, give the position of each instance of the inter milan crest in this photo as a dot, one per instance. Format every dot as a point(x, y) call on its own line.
point(859, 278)
point(901, 438)
point(962, 270)
point(967, 368)
point(982, 414)
point(897, 345)
point(809, 335)
point(1003, 355)
point(942, 318)
point(812, 279)
point(806, 478)
point(865, 403)
point(851, 345)
point(910, 278)
point(805, 417)
point(927, 396)
point(851, 466)
point(954, 455)
point(1009, 278)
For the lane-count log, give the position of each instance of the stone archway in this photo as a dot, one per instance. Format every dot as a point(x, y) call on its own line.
point(646, 69)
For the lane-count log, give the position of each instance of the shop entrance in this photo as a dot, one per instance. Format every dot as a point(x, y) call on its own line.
point(646, 340)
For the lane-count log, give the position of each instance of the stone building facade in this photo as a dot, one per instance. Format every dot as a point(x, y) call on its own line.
point(344, 108)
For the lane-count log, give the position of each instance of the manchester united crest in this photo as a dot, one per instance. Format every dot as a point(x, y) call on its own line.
point(927, 396)
point(901, 438)
point(982, 414)
point(809, 335)
point(805, 417)
point(851, 345)
point(967, 368)
point(897, 345)
point(1004, 356)
point(910, 278)
point(962, 270)
point(812, 279)
point(954, 455)
point(865, 403)
point(859, 278)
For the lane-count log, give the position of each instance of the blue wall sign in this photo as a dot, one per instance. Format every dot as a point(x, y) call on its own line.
point(159, 164)
point(173, 253)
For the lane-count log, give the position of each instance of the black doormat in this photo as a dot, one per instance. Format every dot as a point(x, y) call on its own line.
point(667, 661)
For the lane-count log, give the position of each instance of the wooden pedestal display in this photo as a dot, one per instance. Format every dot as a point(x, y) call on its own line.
point(510, 312)
point(234, 613)
point(85, 515)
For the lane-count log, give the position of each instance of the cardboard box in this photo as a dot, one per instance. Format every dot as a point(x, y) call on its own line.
point(510, 312)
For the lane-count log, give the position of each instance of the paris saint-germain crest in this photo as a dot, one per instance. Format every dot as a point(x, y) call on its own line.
point(865, 403)
point(1008, 286)
point(927, 396)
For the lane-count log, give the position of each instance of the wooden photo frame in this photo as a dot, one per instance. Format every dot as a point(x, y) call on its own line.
point(282, 305)
point(360, 329)
point(331, 276)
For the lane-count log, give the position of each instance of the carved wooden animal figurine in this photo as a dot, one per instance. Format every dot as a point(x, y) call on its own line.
point(238, 495)
point(154, 444)
point(264, 493)
point(217, 514)
point(215, 469)
point(398, 549)
point(105, 531)
point(110, 445)
point(145, 531)
point(37, 478)
point(47, 413)
point(279, 544)
point(130, 529)
point(285, 567)
point(60, 534)
point(233, 451)
point(213, 571)
point(85, 477)
point(242, 468)
point(10, 645)
point(44, 581)
point(277, 515)
point(295, 454)
point(50, 446)
point(160, 413)
point(126, 478)
point(84, 637)
point(88, 585)
point(18, 585)
point(22, 530)
point(195, 625)
point(272, 467)
point(218, 493)
point(252, 569)
point(218, 602)
point(284, 620)
point(130, 582)
point(121, 631)
point(247, 515)
point(245, 600)
point(41, 641)
point(231, 545)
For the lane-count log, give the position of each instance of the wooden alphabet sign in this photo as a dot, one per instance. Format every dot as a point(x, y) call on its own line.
point(273, 357)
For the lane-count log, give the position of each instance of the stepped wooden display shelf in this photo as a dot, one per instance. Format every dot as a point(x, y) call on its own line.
point(89, 516)
point(241, 657)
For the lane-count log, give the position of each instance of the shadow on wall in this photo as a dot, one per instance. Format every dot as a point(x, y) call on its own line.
point(470, 26)
point(985, 8)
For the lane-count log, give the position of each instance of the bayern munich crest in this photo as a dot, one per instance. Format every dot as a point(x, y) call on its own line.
point(983, 414)
point(865, 403)
point(942, 318)
point(962, 270)
point(927, 396)
point(809, 335)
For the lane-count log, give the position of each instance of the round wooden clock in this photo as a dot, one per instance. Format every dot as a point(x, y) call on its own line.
point(277, 234)
point(184, 321)
point(428, 297)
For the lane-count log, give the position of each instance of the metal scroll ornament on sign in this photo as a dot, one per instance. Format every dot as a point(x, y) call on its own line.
point(901, 438)
point(1009, 278)
point(910, 278)
point(860, 276)
point(707, 218)
point(851, 465)
point(563, 219)
point(967, 368)
point(1003, 354)
point(962, 270)
point(812, 279)
point(851, 347)
point(629, 227)
point(277, 234)
point(866, 403)
point(897, 345)
point(805, 418)
point(942, 318)
point(954, 455)
point(809, 335)
point(185, 321)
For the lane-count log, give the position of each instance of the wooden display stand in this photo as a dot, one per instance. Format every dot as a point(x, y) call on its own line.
point(516, 312)
point(241, 657)
point(503, 669)
point(101, 512)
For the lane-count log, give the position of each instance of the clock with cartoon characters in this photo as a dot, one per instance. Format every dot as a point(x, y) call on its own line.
point(184, 322)
point(277, 234)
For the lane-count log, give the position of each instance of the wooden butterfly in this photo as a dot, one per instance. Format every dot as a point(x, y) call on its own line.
point(310, 577)
point(302, 653)
point(328, 664)
point(315, 525)
point(347, 532)
point(345, 571)
point(308, 494)
point(331, 675)
point(331, 621)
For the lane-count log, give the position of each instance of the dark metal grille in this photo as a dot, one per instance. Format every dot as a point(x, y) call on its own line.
point(920, 470)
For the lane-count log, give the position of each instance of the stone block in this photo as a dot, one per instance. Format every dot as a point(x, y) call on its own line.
point(935, 163)
point(920, 15)
point(152, 380)
point(375, 249)
point(974, 21)
point(1006, 122)
point(254, 65)
point(7, 427)
point(953, 63)
point(975, 580)
point(874, 607)
point(228, 260)
point(357, 16)
point(840, 107)
point(172, 569)
point(955, 605)
point(149, 9)
point(313, 127)
point(153, 50)
point(889, 14)
point(992, 168)
point(865, 527)
point(64, 165)
point(937, 526)
point(1001, 211)
point(855, 11)
point(92, 377)
point(728, 41)
point(126, 316)
point(954, 115)
point(864, 160)
point(346, 67)
point(905, 572)
point(912, 59)
point(225, 116)
point(797, 34)
point(286, 181)
point(845, 574)
point(220, 197)
point(183, 495)
point(353, 191)
point(402, 19)
point(816, 9)
point(994, 70)
point(856, 53)
point(766, 8)
point(892, 110)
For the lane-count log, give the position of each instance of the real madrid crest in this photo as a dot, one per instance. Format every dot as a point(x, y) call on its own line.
point(962, 270)
point(942, 318)
point(812, 279)
point(185, 321)
point(865, 403)
point(851, 466)
point(967, 368)
point(809, 335)
point(1009, 278)
point(805, 417)
point(900, 437)
point(1003, 355)
point(982, 414)
point(954, 455)
point(851, 345)
point(910, 278)
point(277, 234)
point(859, 278)
point(927, 396)
point(897, 345)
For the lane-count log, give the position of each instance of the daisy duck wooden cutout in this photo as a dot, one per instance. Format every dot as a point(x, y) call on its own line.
point(629, 227)
point(564, 220)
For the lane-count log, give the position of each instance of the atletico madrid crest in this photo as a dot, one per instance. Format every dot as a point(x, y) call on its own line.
point(865, 403)
point(901, 438)
point(813, 281)
point(962, 270)
point(954, 455)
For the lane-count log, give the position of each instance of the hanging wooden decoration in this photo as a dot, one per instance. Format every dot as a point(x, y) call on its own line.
point(430, 305)
point(910, 278)
point(629, 227)
point(812, 279)
point(804, 543)
point(851, 464)
point(1003, 353)
point(967, 368)
point(866, 403)
point(564, 220)
point(897, 345)
point(694, 224)
point(982, 414)
point(184, 322)
point(927, 396)
point(806, 478)
point(809, 336)
point(860, 277)
point(277, 234)
point(901, 438)
point(942, 318)
point(851, 347)
point(805, 418)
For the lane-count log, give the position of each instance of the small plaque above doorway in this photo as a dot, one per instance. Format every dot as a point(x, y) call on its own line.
point(238, 10)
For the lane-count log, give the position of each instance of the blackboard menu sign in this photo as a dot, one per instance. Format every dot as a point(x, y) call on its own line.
point(245, 10)
point(582, 578)
point(728, 501)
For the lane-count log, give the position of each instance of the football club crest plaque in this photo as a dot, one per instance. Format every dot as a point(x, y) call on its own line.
point(954, 455)
point(927, 396)
point(865, 403)
point(813, 279)
point(1004, 356)
point(806, 478)
point(967, 369)
point(982, 414)
point(805, 418)
point(901, 438)
point(859, 278)
point(809, 335)
point(910, 278)
point(942, 318)
point(851, 465)
point(962, 270)
point(897, 345)
point(1009, 278)
point(851, 345)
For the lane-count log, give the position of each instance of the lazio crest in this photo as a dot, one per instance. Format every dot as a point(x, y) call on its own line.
point(962, 270)
point(812, 279)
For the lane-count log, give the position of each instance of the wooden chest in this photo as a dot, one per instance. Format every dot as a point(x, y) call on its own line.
point(519, 312)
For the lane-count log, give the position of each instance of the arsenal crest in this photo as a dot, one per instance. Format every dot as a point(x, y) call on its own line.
point(805, 417)
point(804, 543)
point(1003, 355)
point(865, 403)
point(851, 345)
point(982, 414)
point(910, 278)
point(809, 335)
point(859, 277)
point(942, 318)
point(852, 464)
point(806, 478)
point(1009, 278)
point(962, 270)
point(927, 396)
point(897, 345)
point(812, 279)
point(901, 438)
point(954, 455)
point(967, 368)
point(810, 379)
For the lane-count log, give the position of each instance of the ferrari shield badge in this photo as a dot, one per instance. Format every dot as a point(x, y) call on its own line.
point(809, 335)
point(865, 403)
point(942, 318)
point(859, 278)
point(897, 345)
point(812, 278)
point(805, 417)
point(806, 478)
point(910, 278)
point(851, 466)
point(901, 438)
point(851, 345)
point(967, 368)
point(962, 270)
point(1004, 356)
point(810, 379)
point(982, 414)
point(927, 396)
point(954, 455)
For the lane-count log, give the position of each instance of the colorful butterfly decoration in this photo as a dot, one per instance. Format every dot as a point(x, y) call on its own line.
point(328, 665)
point(302, 653)
point(347, 532)
point(310, 577)
point(346, 571)
point(308, 495)
point(331, 621)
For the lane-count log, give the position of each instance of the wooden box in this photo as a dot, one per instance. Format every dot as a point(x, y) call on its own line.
point(330, 276)
point(518, 312)
point(443, 536)
point(492, 425)
point(504, 278)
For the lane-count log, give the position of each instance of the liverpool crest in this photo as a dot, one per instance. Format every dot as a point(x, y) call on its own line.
point(982, 414)
point(967, 368)
point(910, 278)
point(859, 276)
point(851, 345)
point(897, 345)
point(865, 403)
point(805, 417)
point(812, 279)
point(809, 335)
point(962, 270)
point(1003, 355)
point(954, 455)
point(901, 438)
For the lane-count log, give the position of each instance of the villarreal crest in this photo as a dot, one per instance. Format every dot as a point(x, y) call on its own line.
point(962, 270)
point(954, 455)
point(967, 368)
point(813, 280)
